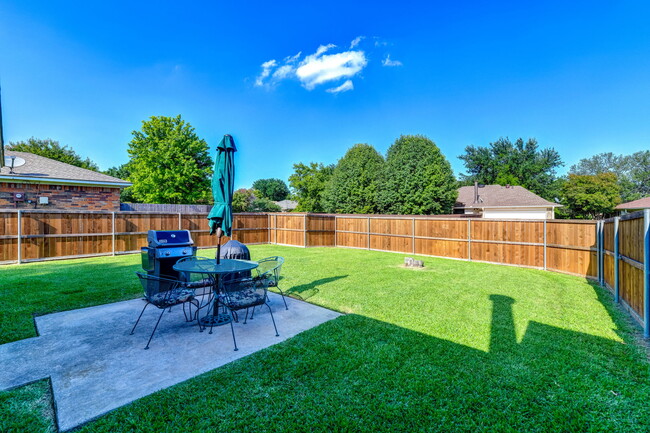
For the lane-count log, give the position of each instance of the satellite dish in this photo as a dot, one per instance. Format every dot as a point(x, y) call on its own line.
point(14, 161)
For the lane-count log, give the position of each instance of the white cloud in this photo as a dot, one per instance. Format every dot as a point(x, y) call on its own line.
point(347, 85)
point(356, 41)
point(266, 71)
point(328, 65)
point(388, 62)
point(320, 68)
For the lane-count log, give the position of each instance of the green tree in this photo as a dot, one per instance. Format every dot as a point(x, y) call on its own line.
point(354, 184)
point(272, 189)
point(632, 171)
point(169, 163)
point(590, 196)
point(52, 149)
point(417, 178)
point(519, 163)
point(308, 183)
point(249, 200)
point(123, 172)
point(263, 204)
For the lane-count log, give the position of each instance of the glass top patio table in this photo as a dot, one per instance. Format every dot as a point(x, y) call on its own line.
point(226, 266)
point(214, 270)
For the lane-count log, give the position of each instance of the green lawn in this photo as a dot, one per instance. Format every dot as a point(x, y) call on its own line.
point(457, 346)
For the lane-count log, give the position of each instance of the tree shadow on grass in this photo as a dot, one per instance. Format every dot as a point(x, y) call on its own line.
point(306, 291)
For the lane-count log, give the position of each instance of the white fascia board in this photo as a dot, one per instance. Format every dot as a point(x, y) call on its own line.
point(508, 207)
point(55, 181)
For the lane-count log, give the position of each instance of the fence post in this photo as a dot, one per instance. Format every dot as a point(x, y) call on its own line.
point(336, 227)
point(20, 240)
point(413, 235)
point(368, 232)
point(113, 231)
point(180, 223)
point(268, 227)
point(601, 261)
point(545, 228)
point(616, 260)
point(469, 240)
point(304, 223)
point(646, 273)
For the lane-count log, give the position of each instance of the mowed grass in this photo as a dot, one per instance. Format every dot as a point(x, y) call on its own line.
point(456, 346)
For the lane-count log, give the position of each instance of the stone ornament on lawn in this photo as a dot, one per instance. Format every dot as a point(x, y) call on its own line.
point(410, 262)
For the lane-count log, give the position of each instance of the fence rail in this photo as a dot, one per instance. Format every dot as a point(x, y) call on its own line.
point(616, 251)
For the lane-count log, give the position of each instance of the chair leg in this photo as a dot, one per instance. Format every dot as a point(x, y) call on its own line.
point(154, 329)
point(232, 329)
point(246, 317)
point(276, 328)
point(283, 300)
point(139, 317)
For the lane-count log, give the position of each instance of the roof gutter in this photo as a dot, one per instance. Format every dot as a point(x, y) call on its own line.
point(508, 207)
point(5, 178)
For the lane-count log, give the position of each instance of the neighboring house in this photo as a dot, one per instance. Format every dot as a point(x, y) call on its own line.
point(632, 206)
point(287, 205)
point(48, 184)
point(503, 202)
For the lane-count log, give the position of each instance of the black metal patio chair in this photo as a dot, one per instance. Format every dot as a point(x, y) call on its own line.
point(164, 293)
point(245, 293)
point(202, 284)
point(270, 268)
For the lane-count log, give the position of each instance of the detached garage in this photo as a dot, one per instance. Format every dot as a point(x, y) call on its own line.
point(503, 202)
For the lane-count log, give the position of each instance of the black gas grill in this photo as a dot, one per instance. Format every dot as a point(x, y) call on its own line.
point(165, 248)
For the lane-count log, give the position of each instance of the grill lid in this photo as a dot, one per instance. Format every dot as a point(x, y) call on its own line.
point(169, 238)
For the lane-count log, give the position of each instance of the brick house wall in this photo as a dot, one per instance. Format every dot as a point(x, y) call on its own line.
point(61, 197)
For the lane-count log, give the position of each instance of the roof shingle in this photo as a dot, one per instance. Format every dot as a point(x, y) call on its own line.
point(642, 203)
point(499, 196)
point(39, 167)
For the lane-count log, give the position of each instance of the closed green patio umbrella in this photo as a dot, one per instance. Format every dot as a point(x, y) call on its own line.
point(223, 184)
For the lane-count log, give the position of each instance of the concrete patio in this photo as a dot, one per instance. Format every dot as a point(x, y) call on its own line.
point(95, 365)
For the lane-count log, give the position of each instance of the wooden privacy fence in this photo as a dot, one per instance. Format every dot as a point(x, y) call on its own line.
point(624, 263)
point(34, 235)
point(559, 245)
point(615, 251)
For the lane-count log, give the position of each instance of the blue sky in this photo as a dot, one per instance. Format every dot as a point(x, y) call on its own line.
point(574, 75)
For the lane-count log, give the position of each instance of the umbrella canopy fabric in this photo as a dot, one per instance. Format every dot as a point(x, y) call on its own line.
point(223, 184)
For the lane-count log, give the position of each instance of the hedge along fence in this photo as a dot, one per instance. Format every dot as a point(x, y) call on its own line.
point(624, 263)
point(48, 235)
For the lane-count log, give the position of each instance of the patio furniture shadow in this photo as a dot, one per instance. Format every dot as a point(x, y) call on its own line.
point(306, 291)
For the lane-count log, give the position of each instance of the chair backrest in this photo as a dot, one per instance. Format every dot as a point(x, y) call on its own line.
point(245, 292)
point(156, 288)
point(270, 267)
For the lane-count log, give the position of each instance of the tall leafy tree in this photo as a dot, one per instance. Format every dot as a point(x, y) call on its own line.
point(308, 183)
point(417, 178)
point(272, 189)
point(590, 196)
point(354, 184)
point(519, 163)
point(169, 163)
point(250, 200)
point(123, 172)
point(632, 171)
point(54, 150)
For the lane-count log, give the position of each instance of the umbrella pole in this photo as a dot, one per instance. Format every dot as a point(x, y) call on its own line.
point(219, 234)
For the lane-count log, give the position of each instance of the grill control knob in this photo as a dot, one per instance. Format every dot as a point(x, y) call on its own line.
point(167, 253)
point(184, 252)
